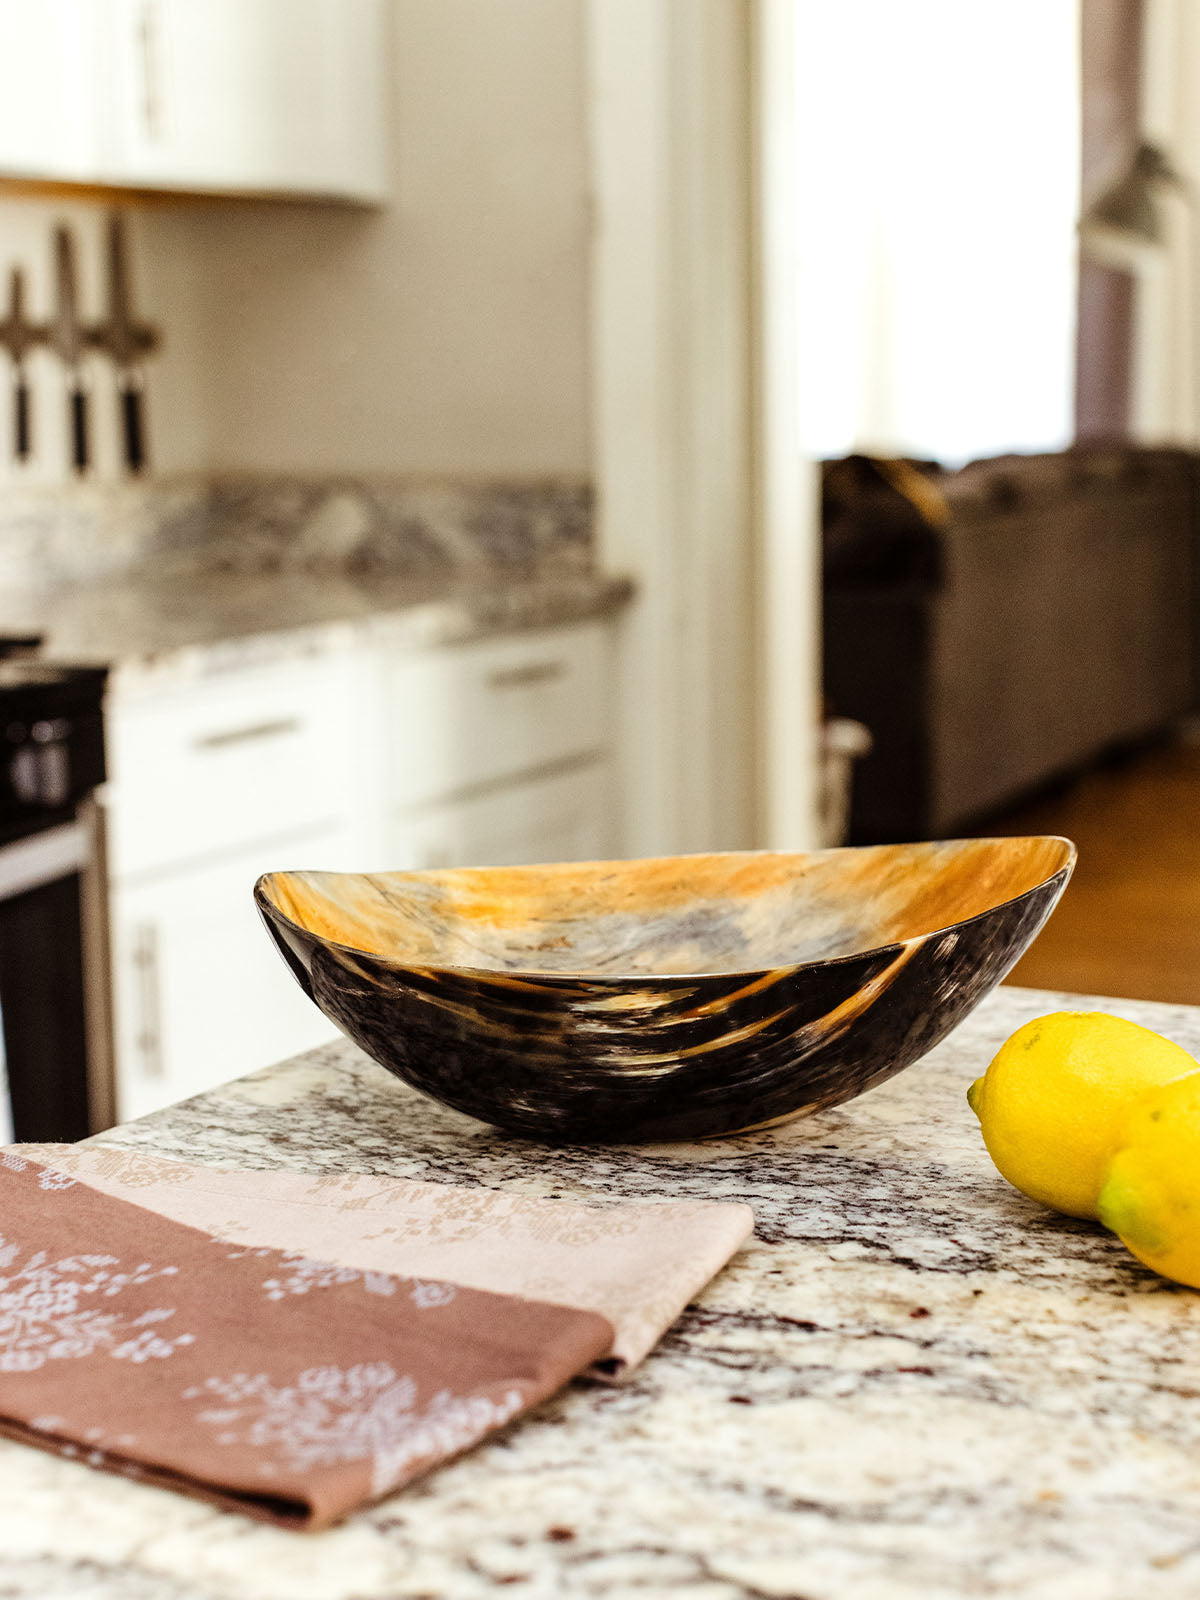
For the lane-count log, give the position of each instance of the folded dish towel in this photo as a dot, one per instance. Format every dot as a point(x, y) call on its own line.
point(287, 1357)
point(249, 1376)
point(636, 1263)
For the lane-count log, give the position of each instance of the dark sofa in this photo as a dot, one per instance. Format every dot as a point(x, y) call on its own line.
point(1003, 625)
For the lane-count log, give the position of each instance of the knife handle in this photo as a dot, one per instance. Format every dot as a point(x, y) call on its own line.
point(22, 419)
point(133, 428)
point(79, 429)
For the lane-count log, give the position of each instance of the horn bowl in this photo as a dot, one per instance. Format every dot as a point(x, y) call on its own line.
point(678, 998)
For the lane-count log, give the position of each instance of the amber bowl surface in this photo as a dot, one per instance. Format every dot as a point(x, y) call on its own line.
point(677, 998)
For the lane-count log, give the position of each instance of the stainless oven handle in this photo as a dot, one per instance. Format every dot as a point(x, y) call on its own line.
point(43, 858)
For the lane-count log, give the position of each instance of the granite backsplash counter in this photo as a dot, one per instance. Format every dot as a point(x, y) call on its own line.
point(913, 1384)
point(246, 568)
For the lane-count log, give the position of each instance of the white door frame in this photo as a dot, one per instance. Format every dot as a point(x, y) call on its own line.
point(787, 520)
point(701, 490)
point(1166, 353)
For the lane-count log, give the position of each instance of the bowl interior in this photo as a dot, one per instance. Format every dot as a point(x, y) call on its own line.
point(740, 912)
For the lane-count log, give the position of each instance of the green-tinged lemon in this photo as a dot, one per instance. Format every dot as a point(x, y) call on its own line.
point(1151, 1195)
point(1052, 1102)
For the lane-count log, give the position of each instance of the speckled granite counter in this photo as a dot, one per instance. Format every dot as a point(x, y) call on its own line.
point(195, 575)
point(914, 1382)
point(155, 625)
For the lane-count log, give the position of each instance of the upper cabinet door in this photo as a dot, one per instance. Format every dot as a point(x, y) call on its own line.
point(249, 96)
point(48, 89)
point(205, 96)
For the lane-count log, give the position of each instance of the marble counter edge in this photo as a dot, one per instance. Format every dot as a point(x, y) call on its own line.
point(452, 618)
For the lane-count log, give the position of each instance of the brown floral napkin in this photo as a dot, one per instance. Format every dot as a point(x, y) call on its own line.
point(638, 1264)
point(257, 1378)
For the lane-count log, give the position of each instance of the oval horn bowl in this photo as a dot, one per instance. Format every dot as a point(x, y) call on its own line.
point(678, 998)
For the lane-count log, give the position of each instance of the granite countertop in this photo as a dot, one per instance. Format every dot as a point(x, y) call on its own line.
point(913, 1381)
point(134, 621)
point(238, 570)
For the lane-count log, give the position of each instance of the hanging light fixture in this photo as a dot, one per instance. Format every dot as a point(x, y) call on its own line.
point(1125, 223)
point(1128, 207)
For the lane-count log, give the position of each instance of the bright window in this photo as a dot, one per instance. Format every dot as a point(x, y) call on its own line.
point(939, 172)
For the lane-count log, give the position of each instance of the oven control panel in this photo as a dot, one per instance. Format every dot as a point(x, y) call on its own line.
point(51, 738)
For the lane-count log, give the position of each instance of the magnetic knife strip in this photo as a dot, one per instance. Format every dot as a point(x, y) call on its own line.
point(120, 335)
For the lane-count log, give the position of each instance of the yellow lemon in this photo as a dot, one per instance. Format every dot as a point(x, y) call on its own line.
point(1151, 1196)
point(1051, 1104)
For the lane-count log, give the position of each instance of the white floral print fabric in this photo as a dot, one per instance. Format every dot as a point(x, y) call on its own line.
point(303, 1275)
point(53, 1311)
point(274, 1382)
point(47, 1177)
point(339, 1416)
point(637, 1264)
point(50, 1178)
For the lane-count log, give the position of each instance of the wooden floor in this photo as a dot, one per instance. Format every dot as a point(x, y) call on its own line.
point(1129, 922)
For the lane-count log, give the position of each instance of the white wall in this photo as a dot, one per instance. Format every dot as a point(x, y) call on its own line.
point(447, 332)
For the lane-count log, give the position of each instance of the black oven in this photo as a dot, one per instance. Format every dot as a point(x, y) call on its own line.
point(55, 1077)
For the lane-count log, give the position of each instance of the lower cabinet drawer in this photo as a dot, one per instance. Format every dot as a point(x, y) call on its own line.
point(469, 715)
point(210, 769)
point(566, 817)
point(200, 992)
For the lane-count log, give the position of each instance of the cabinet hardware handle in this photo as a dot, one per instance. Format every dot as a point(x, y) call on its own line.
point(152, 121)
point(257, 730)
point(149, 1032)
point(521, 677)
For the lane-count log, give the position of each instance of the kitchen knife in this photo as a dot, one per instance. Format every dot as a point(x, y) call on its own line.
point(17, 334)
point(67, 338)
point(127, 342)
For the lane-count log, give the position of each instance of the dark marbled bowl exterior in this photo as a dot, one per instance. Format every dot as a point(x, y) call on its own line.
point(461, 982)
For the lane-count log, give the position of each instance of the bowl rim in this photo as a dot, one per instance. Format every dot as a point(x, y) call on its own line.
point(532, 975)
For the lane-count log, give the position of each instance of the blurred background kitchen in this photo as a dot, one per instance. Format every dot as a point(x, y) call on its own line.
point(477, 431)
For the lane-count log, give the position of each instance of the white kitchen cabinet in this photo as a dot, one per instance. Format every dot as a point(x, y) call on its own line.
point(207, 96)
point(49, 107)
point(200, 771)
point(496, 751)
point(251, 96)
point(468, 715)
point(200, 994)
point(366, 756)
point(565, 817)
point(214, 782)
